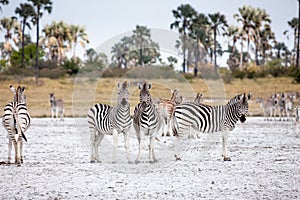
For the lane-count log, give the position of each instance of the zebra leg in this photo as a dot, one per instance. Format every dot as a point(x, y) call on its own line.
point(21, 149)
point(56, 113)
point(126, 140)
point(99, 138)
point(115, 141)
point(225, 144)
point(92, 145)
point(19, 152)
point(138, 159)
point(152, 158)
point(9, 149)
point(176, 141)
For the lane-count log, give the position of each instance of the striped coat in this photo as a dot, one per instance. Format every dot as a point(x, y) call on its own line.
point(208, 119)
point(146, 121)
point(16, 120)
point(108, 120)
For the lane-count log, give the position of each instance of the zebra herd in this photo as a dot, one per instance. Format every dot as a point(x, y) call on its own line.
point(284, 105)
point(150, 118)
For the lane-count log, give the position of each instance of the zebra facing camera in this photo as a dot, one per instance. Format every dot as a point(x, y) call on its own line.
point(84, 98)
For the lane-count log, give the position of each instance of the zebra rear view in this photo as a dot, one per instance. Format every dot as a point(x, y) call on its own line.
point(209, 119)
point(108, 120)
point(16, 120)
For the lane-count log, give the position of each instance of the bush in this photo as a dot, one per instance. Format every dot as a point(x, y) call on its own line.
point(71, 66)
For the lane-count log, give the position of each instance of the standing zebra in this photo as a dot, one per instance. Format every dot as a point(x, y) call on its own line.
point(108, 120)
point(16, 120)
point(56, 106)
point(146, 121)
point(209, 119)
point(165, 108)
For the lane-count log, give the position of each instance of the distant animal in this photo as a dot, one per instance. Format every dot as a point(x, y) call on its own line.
point(56, 106)
point(108, 120)
point(146, 121)
point(16, 120)
point(267, 107)
point(165, 109)
point(208, 119)
point(286, 106)
point(198, 98)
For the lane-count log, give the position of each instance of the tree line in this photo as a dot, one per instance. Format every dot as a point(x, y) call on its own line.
point(252, 40)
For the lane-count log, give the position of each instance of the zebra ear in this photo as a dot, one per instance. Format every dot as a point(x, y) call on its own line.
point(128, 84)
point(139, 86)
point(149, 86)
point(118, 84)
point(249, 96)
point(23, 88)
point(12, 89)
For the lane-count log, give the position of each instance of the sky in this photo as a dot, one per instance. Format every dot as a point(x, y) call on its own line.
point(107, 20)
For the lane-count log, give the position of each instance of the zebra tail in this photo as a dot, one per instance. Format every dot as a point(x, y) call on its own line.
point(16, 129)
point(23, 136)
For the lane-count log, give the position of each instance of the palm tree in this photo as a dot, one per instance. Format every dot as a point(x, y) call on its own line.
point(141, 38)
point(58, 38)
point(11, 26)
point(3, 2)
point(298, 36)
point(24, 11)
point(78, 34)
point(245, 16)
point(41, 6)
point(184, 16)
point(279, 47)
point(217, 21)
point(260, 19)
point(266, 36)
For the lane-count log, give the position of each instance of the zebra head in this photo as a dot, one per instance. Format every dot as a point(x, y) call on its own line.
point(145, 97)
point(198, 98)
point(275, 100)
point(19, 95)
point(123, 93)
point(243, 106)
point(175, 97)
point(52, 98)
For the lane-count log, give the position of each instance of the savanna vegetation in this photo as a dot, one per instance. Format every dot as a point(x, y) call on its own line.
point(256, 58)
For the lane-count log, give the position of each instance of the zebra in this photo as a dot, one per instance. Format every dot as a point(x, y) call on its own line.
point(276, 108)
point(209, 119)
point(146, 121)
point(16, 120)
point(56, 106)
point(165, 108)
point(108, 120)
point(286, 106)
point(267, 106)
point(198, 98)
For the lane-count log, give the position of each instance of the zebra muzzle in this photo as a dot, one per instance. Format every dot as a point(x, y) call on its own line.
point(243, 118)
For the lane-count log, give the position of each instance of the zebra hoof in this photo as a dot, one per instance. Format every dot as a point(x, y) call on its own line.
point(177, 158)
point(151, 161)
point(114, 162)
point(227, 159)
point(93, 161)
point(137, 161)
point(130, 162)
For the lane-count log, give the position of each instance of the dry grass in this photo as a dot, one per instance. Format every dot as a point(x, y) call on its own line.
point(80, 94)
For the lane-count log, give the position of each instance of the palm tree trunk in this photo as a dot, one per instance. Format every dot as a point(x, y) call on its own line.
point(23, 42)
point(37, 46)
point(215, 47)
point(241, 55)
point(298, 35)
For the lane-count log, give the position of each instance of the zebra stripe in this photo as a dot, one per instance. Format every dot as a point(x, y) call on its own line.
point(209, 119)
point(146, 120)
point(108, 120)
point(16, 120)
